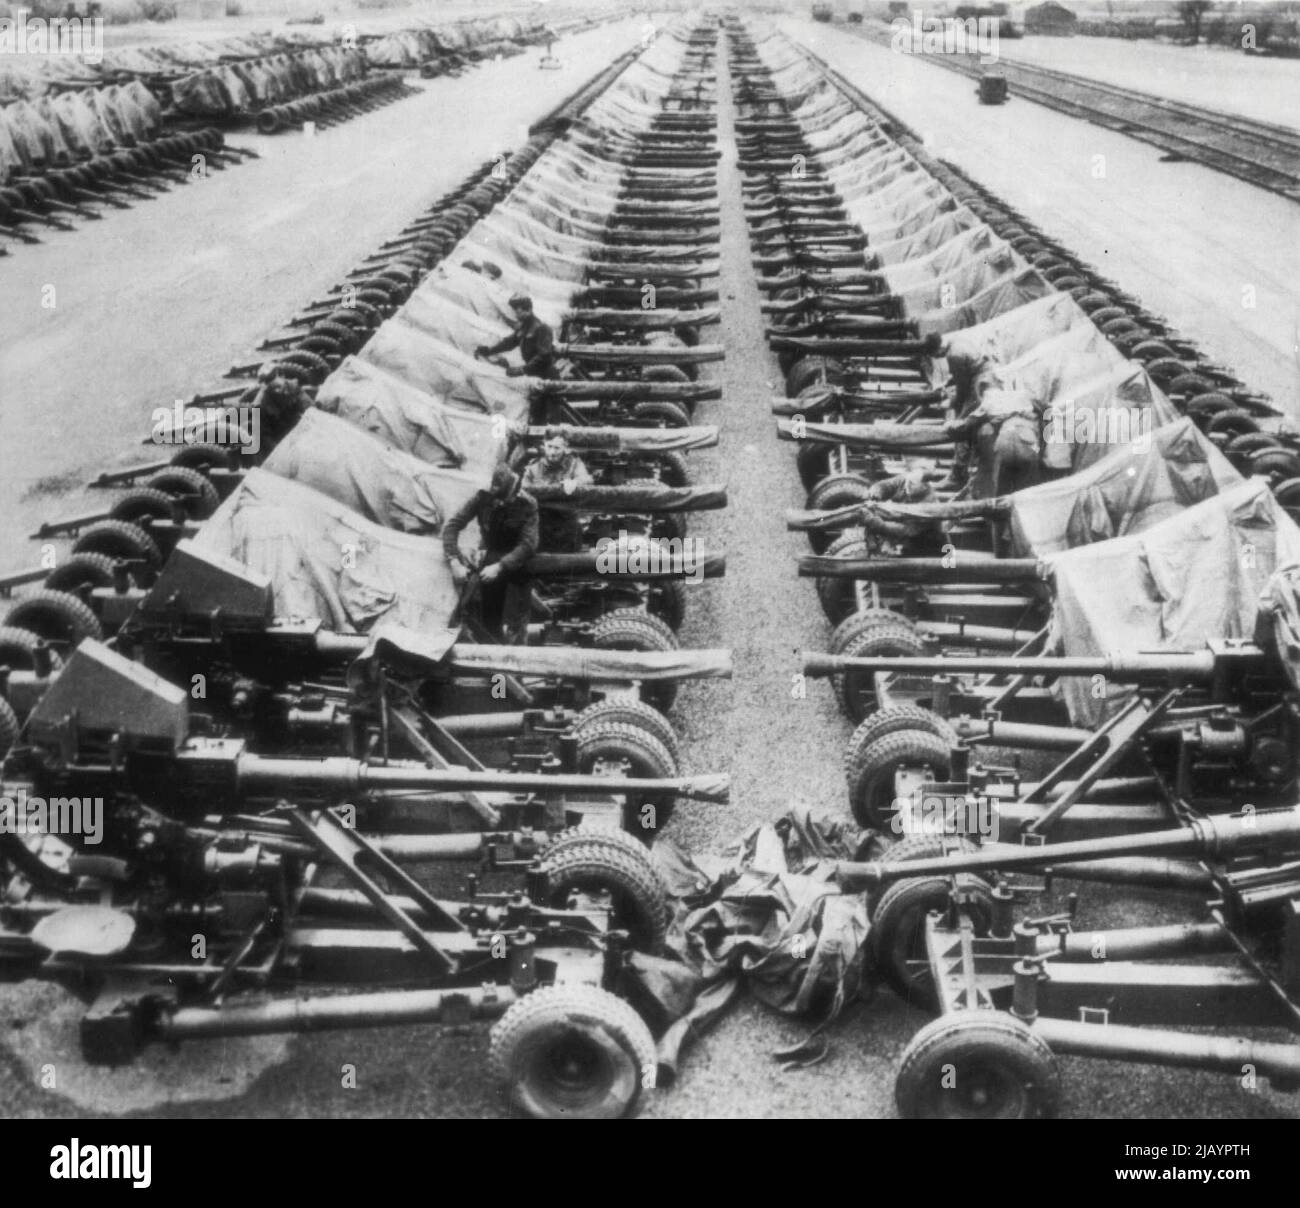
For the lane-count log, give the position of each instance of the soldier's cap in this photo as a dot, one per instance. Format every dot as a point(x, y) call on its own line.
point(521, 302)
point(505, 482)
point(554, 433)
point(268, 371)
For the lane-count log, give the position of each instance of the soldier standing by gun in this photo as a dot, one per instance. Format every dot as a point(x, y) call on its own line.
point(964, 370)
point(558, 466)
point(534, 339)
point(508, 528)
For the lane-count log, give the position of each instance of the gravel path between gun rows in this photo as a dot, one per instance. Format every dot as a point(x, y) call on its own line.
point(780, 751)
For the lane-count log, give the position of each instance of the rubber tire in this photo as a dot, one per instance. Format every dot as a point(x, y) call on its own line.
point(57, 616)
point(1190, 386)
point(191, 487)
point(813, 370)
point(971, 1039)
point(522, 1037)
point(637, 898)
point(1165, 369)
point(9, 727)
point(898, 917)
point(1277, 465)
point(665, 373)
point(673, 468)
point(142, 503)
point(201, 458)
point(1235, 421)
point(813, 462)
point(1287, 495)
point(837, 491)
point(838, 597)
point(81, 572)
point(660, 415)
point(18, 648)
point(874, 636)
point(634, 713)
point(117, 539)
point(646, 758)
point(898, 717)
point(872, 766)
point(632, 629)
point(667, 601)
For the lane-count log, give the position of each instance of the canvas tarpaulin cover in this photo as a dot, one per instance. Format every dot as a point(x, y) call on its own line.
point(485, 297)
point(390, 643)
point(973, 246)
point(438, 368)
point(1131, 489)
point(382, 484)
point(1003, 294)
point(1196, 576)
point(1008, 336)
point(1279, 620)
point(325, 562)
point(943, 227)
point(413, 420)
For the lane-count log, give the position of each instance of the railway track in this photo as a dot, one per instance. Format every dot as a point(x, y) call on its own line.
point(1261, 153)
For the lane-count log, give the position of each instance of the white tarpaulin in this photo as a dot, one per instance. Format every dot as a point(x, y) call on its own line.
point(1129, 490)
point(437, 368)
point(1196, 576)
point(413, 420)
point(325, 562)
point(381, 483)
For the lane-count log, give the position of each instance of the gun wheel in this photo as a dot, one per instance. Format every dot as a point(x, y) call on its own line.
point(572, 1053)
point(977, 1065)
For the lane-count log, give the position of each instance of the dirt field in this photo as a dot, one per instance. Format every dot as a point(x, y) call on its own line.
point(95, 367)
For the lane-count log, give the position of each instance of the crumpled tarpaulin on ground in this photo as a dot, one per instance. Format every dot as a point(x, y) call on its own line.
point(383, 484)
point(325, 562)
point(766, 915)
point(1196, 576)
point(414, 420)
point(1132, 489)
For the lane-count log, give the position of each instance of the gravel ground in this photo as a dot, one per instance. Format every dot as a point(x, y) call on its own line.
point(779, 750)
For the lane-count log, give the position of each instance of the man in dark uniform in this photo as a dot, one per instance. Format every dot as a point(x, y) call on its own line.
point(558, 466)
point(508, 528)
point(964, 372)
point(534, 339)
point(281, 402)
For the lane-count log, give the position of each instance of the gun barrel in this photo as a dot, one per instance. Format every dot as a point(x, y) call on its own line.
point(921, 570)
point(1194, 666)
point(260, 774)
point(1206, 837)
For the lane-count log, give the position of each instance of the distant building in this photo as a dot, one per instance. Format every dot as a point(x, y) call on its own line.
point(1050, 18)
